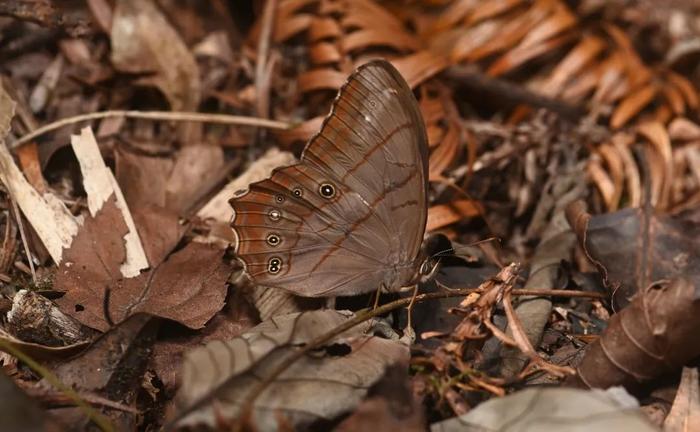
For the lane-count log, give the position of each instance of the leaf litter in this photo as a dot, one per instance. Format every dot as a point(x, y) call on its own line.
point(114, 269)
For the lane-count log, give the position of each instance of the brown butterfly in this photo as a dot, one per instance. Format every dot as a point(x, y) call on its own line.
point(350, 216)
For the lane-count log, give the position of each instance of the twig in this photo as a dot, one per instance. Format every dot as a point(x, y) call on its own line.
point(20, 225)
point(47, 15)
point(154, 115)
point(470, 77)
point(262, 74)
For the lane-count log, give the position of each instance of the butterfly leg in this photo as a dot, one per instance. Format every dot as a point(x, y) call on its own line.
point(376, 296)
point(409, 308)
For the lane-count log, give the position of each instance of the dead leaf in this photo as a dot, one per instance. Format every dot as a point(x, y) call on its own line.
point(235, 318)
point(143, 179)
point(189, 287)
point(653, 335)
point(392, 407)
point(321, 385)
point(441, 215)
point(113, 367)
point(547, 409)
point(160, 231)
point(92, 263)
point(100, 185)
point(633, 250)
point(632, 105)
point(144, 42)
point(196, 171)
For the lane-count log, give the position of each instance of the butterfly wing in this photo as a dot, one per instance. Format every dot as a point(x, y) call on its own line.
point(351, 215)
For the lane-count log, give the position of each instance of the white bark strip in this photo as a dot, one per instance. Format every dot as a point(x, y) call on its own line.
point(100, 184)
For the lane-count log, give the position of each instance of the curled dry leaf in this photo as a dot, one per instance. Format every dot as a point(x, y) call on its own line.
point(633, 250)
point(144, 42)
point(653, 335)
point(217, 378)
point(41, 352)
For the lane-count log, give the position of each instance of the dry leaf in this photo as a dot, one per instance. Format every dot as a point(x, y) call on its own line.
point(92, 263)
point(633, 250)
point(392, 407)
point(144, 42)
point(49, 217)
point(655, 334)
point(189, 287)
point(113, 367)
point(552, 410)
point(321, 385)
point(196, 171)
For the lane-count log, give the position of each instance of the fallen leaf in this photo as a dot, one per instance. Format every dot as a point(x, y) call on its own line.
point(144, 42)
point(633, 250)
point(92, 263)
point(392, 406)
point(655, 334)
point(143, 179)
point(189, 287)
point(160, 231)
point(113, 367)
point(552, 410)
point(321, 385)
point(196, 171)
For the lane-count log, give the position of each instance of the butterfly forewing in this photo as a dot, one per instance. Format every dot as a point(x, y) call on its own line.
point(351, 215)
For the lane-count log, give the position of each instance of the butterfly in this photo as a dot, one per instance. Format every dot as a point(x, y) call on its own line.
point(349, 218)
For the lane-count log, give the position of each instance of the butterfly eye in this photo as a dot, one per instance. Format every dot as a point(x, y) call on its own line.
point(297, 192)
point(273, 239)
point(275, 215)
point(274, 265)
point(327, 190)
point(279, 198)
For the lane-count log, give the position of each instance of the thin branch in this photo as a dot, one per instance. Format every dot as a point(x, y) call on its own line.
point(20, 225)
point(154, 115)
point(262, 74)
point(48, 15)
point(479, 81)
